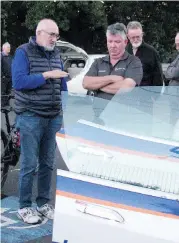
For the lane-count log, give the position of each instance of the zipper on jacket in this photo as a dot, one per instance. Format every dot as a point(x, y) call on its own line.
point(51, 82)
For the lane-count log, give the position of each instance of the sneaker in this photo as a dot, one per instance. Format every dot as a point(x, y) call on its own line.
point(46, 210)
point(29, 215)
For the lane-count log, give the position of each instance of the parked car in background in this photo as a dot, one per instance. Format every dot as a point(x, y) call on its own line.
point(77, 63)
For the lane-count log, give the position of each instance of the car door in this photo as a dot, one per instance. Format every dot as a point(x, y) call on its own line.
point(122, 182)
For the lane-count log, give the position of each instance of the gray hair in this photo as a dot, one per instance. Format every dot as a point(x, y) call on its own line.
point(5, 44)
point(117, 29)
point(134, 25)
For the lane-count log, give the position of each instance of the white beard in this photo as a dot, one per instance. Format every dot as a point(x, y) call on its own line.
point(136, 45)
point(49, 48)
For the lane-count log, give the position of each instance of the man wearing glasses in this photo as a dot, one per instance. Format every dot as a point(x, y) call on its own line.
point(37, 75)
point(152, 70)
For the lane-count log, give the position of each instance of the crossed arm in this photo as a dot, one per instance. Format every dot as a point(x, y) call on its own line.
point(111, 84)
point(173, 70)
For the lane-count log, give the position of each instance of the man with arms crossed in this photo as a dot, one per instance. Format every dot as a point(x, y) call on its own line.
point(117, 72)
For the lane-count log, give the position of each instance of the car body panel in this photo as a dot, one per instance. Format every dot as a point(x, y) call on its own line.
point(85, 213)
point(122, 182)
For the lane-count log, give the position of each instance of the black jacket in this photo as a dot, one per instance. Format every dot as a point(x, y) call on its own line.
point(152, 69)
point(6, 62)
point(6, 80)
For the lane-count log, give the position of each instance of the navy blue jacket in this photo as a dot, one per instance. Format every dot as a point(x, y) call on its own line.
point(32, 92)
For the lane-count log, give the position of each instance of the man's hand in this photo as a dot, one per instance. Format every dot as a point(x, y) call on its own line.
point(55, 74)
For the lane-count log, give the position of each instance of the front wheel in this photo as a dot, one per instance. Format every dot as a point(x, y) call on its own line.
point(4, 153)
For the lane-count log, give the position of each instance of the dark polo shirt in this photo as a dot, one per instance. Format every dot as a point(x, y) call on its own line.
point(128, 66)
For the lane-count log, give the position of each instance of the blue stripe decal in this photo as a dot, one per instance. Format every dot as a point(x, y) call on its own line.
point(118, 196)
point(65, 241)
point(62, 131)
point(113, 139)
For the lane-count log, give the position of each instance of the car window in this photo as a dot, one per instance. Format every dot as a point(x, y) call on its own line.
point(65, 50)
point(131, 139)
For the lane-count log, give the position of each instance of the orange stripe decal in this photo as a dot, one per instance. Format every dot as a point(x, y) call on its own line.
point(116, 205)
point(114, 148)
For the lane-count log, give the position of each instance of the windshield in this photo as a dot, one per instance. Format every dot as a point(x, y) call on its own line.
point(132, 138)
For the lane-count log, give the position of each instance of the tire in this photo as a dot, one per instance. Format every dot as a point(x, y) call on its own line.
point(4, 152)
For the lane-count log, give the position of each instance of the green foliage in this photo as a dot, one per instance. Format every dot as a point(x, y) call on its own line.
point(160, 21)
point(79, 22)
point(13, 25)
point(84, 22)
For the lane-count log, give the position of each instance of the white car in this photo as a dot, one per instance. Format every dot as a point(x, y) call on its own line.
point(76, 62)
point(122, 182)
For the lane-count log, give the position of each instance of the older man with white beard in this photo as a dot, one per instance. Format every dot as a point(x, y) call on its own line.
point(152, 69)
point(37, 75)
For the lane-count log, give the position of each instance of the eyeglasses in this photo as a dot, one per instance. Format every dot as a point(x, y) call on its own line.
point(135, 37)
point(52, 35)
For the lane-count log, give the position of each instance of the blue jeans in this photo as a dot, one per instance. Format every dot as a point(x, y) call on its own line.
point(38, 144)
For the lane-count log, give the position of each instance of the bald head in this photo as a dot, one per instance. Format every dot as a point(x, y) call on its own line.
point(177, 41)
point(46, 24)
point(47, 33)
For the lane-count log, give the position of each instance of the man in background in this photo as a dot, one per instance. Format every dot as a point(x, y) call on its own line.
point(152, 69)
point(6, 77)
point(172, 72)
point(172, 75)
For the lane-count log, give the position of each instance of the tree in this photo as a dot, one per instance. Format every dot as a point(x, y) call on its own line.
point(160, 21)
point(84, 23)
point(80, 22)
point(13, 25)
